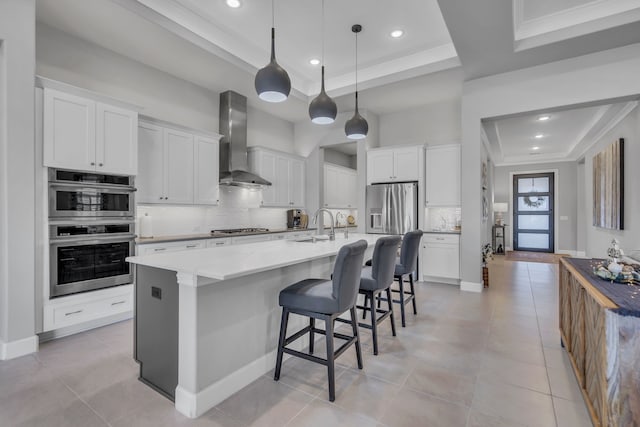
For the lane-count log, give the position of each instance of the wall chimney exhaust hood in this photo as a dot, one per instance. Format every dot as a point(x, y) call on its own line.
point(233, 144)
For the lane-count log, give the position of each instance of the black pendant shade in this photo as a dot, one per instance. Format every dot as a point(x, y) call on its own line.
point(323, 110)
point(272, 82)
point(356, 127)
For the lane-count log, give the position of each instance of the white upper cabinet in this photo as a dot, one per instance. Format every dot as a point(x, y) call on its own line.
point(83, 134)
point(179, 162)
point(176, 166)
point(443, 176)
point(393, 164)
point(207, 157)
point(340, 187)
point(286, 174)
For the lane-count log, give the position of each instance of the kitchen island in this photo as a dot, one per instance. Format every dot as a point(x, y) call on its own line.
point(207, 320)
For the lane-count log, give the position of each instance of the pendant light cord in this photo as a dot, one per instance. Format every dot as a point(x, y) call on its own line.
point(357, 72)
point(323, 33)
point(273, 19)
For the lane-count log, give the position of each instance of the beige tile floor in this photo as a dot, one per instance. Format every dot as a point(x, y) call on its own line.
point(475, 360)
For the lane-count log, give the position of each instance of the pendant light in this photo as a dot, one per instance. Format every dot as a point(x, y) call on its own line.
point(272, 82)
point(323, 109)
point(356, 127)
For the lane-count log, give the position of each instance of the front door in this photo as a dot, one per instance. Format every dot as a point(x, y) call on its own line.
point(533, 212)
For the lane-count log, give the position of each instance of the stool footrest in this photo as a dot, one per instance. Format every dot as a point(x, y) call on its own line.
point(306, 356)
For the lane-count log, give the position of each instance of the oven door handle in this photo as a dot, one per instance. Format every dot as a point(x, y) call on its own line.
point(93, 240)
point(85, 186)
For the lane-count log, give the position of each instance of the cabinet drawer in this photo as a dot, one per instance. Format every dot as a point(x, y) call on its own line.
point(441, 238)
point(81, 312)
point(214, 243)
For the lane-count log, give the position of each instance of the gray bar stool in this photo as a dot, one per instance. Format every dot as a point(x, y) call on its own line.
point(377, 279)
point(325, 300)
point(406, 264)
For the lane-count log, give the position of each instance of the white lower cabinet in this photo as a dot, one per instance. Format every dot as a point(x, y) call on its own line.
point(158, 248)
point(84, 307)
point(441, 256)
point(239, 240)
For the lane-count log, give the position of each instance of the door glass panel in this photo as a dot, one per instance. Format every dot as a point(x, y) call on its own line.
point(533, 222)
point(533, 241)
point(533, 203)
point(533, 185)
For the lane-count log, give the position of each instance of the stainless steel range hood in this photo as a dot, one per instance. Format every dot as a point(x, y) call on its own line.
point(233, 145)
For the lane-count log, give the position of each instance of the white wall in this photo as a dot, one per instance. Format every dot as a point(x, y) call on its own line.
point(432, 124)
point(600, 76)
point(17, 182)
point(340, 159)
point(599, 239)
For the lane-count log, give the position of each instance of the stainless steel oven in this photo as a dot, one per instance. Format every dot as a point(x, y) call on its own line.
point(89, 254)
point(87, 195)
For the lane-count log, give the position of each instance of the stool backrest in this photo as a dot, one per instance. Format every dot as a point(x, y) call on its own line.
point(409, 249)
point(346, 273)
point(383, 262)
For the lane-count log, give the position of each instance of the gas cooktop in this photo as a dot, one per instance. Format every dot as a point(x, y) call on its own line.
point(240, 230)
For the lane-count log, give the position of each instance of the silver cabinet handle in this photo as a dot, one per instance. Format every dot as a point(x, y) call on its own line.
point(219, 243)
point(166, 198)
point(118, 302)
point(161, 197)
point(439, 238)
point(73, 312)
point(99, 164)
point(93, 163)
point(191, 246)
point(160, 249)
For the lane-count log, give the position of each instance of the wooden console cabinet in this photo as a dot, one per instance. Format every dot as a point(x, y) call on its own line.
point(603, 346)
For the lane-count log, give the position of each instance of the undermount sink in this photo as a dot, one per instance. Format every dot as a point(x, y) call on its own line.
point(313, 239)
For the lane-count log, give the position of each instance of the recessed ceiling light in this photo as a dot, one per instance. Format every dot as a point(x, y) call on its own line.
point(233, 3)
point(538, 136)
point(543, 118)
point(535, 148)
point(397, 33)
point(314, 61)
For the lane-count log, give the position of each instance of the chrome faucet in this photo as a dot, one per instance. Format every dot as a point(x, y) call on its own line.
point(346, 230)
point(332, 233)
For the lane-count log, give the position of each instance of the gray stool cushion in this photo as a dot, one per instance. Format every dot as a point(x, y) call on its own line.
point(367, 282)
point(310, 295)
point(408, 259)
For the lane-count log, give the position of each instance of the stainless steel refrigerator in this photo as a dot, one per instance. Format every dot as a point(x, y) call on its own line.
point(392, 208)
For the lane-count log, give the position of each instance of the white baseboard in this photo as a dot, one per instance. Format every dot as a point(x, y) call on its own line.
point(508, 248)
point(569, 252)
point(193, 405)
point(470, 286)
point(13, 349)
point(441, 280)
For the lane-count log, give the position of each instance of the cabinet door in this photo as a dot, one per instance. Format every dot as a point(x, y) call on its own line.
point(281, 184)
point(266, 168)
point(69, 130)
point(406, 164)
point(443, 176)
point(151, 172)
point(351, 192)
point(296, 183)
point(380, 166)
point(332, 196)
point(178, 177)
point(116, 140)
point(206, 173)
point(441, 260)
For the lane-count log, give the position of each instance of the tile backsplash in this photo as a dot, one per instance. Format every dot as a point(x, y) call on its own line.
point(238, 208)
point(442, 218)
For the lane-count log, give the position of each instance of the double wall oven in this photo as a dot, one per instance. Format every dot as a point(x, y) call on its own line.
point(91, 231)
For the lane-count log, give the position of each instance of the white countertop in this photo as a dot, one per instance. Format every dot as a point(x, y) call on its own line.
point(228, 262)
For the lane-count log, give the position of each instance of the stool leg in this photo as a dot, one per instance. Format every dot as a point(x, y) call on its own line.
point(364, 312)
point(283, 336)
point(401, 283)
point(312, 324)
point(330, 358)
point(413, 292)
point(354, 326)
point(393, 322)
point(374, 326)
